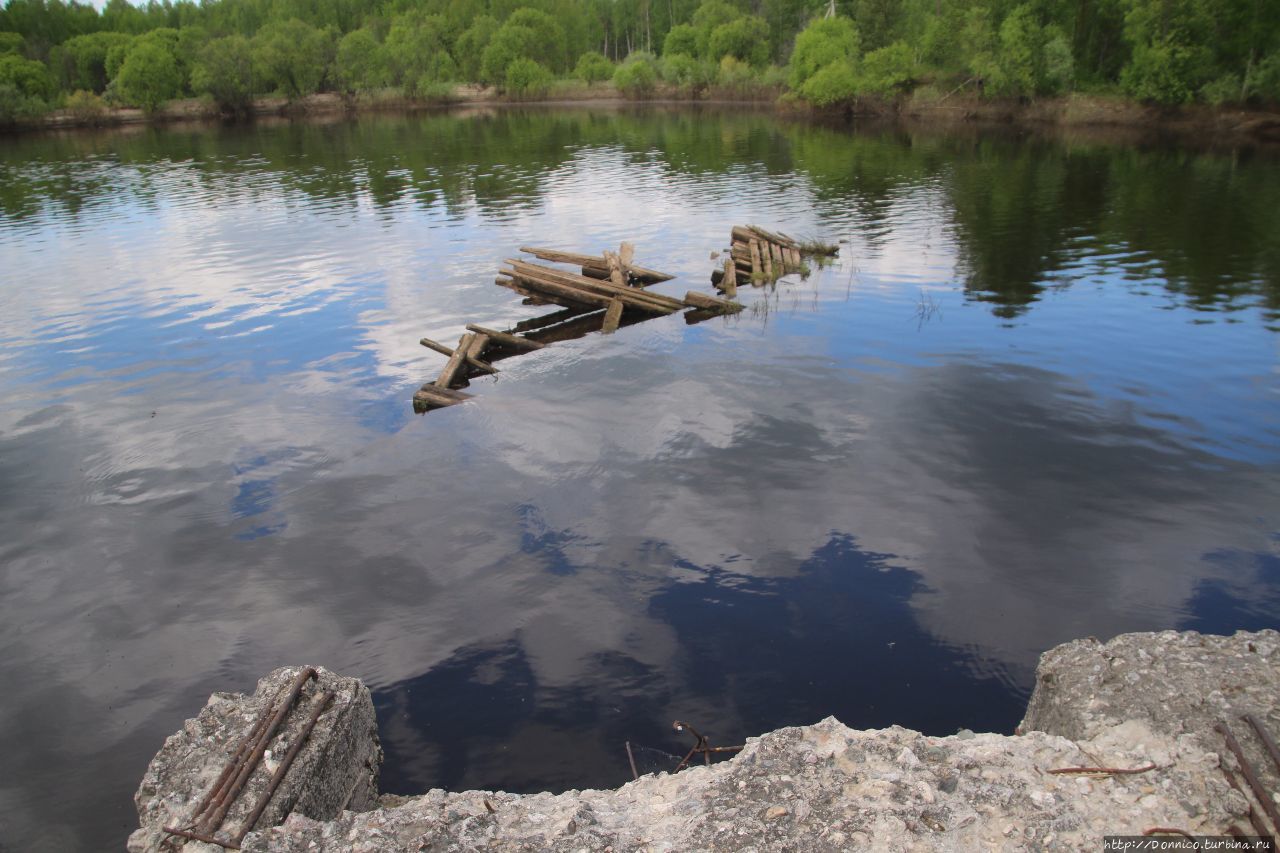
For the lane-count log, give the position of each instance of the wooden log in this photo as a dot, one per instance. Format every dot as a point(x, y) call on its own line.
point(438, 347)
point(730, 281)
point(776, 251)
point(768, 263)
point(626, 254)
point(772, 236)
point(701, 300)
point(475, 351)
point(755, 259)
point(592, 272)
point(504, 338)
point(636, 297)
point(594, 261)
point(569, 300)
point(431, 397)
point(562, 293)
point(616, 274)
point(612, 317)
point(445, 379)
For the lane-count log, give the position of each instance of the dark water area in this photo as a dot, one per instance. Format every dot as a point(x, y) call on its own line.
point(1036, 398)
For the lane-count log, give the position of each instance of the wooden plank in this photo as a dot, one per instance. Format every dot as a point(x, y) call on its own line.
point(570, 301)
point(701, 300)
point(612, 317)
point(595, 261)
point(504, 338)
point(445, 379)
point(438, 347)
point(431, 397)
point(768, 263)
point(730, 281)
point(562, 293)
point(616, 274)
point(475, 351)
point(756, 270)
point(634, 296)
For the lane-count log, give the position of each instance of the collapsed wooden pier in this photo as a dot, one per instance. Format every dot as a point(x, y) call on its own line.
point(604, 293)
point(759, 256)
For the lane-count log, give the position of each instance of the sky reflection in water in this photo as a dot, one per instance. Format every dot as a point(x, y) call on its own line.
point(1035, 399)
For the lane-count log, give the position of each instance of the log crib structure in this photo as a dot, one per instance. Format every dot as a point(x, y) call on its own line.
point(603, 293)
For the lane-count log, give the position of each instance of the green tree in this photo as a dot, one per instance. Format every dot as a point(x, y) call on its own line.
point(745, 39)
point(81, 62)
point(683, 39)
point(527, 78)
point(150, 75)
point(224, 71)
point(824, 42)
point(835, 83)
point(418, 51)
point(12, 43)
point(1171, 59)
point(471, 45)
point(592, 68)
point(294, 56)
point(637, 77)
point(887, 71)
point(361, 64)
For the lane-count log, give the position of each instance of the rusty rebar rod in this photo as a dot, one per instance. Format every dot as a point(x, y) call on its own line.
point(630, 757)
point(1246, 770)
point(1265, 737)
point(199, 836)
point(1259, 827)
point(254, 756)
point(237, 757)
point(321, 705)
point(702, 746)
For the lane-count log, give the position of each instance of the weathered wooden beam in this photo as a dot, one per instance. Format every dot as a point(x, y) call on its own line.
point(566, 299)
point(431, 397)
point(438, 347)
point(768, 262)
point(594, 261)
point(475, 351)
point(701, 300)
point(504, 338)
point(730, 281)
point(445, 379)
point(612, 316)
point(756, 265)
point(617, 274)
point(633, 296)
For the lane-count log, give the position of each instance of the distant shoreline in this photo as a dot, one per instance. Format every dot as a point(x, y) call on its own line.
point(1105, 114)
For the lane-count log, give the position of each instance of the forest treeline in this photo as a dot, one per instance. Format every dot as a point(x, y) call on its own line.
point(69, 54)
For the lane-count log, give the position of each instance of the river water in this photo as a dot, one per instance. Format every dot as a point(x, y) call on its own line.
point(1035, 398)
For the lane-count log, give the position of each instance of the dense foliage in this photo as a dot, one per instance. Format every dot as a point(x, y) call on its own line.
point(1166, 51)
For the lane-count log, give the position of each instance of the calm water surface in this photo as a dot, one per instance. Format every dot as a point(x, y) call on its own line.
point(1036, 398)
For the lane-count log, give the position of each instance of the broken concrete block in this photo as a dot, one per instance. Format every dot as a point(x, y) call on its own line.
point(336, 769)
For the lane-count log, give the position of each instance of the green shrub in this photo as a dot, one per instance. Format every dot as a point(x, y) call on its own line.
point(12, 43)
point(735, 74)
point(836, 83)
point(682, 39)
point(150, 76)
point(637, 77)
point(683, 70)
point(224, 71)
point(823, 42)
point(745, 39)
point(527, 78)
point(592, 68)
point(293, 56)
point(1164, 72)
point(86, 107)
point(1225, 89)
point(888, 71)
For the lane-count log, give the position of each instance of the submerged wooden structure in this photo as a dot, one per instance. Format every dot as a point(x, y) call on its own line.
point(606, 292)
point(603, 293)
point(759, 256)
